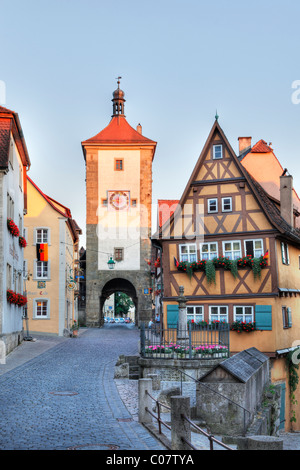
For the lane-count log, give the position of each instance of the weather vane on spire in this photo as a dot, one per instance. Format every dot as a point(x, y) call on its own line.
point(118, 81)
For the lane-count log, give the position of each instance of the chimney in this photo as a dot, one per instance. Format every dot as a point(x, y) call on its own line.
point(244, 144)
point(139, 128)
point(286, 198)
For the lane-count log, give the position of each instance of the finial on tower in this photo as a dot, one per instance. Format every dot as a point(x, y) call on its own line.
point(216, 116)
point(118, 100)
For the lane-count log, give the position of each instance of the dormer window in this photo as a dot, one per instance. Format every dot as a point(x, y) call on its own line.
point(217, 152)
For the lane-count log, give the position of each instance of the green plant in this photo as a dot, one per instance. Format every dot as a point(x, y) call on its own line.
point(256, 267)
point(240, 326)
point(210, 272)
point(75, 326)
point(292, 362)
point(234, 269)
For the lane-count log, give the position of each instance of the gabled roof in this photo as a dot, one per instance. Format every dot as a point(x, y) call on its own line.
point(242, 365)
point(261, 147)
point(118, 131)
point(61, 209)
point(10, 123)
point(269, 208)
point(166, 208)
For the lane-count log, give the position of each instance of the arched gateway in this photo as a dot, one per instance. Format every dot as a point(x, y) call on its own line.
point(118, 214)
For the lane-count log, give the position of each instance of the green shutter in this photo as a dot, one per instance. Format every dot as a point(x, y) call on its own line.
point(172, 316)
point(263, 317)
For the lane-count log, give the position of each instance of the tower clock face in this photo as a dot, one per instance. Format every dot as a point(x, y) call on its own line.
point(118, 200)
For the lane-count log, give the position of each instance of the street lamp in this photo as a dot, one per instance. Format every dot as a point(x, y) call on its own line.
point(111, 263)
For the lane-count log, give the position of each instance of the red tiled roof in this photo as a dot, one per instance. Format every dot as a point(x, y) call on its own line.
point(14, 126)
point(261, 147)
point(118, 130)
point(5, 129)
point(61, 209)
point(166, 207)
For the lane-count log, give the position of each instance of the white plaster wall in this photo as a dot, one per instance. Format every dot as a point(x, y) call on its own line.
point(119, 229)
point(13, 253)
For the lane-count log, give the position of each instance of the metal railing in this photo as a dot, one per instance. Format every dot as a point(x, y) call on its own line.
point(195, 342)
point(160, 422)
point(245, 411)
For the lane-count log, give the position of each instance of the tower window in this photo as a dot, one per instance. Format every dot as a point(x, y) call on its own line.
point(119, 254)
point(119, 165)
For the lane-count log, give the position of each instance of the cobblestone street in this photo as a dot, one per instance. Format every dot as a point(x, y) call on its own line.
point(60, 394)
point(66, 397)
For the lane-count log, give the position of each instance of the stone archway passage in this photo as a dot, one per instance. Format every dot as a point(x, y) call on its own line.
point(117, 285)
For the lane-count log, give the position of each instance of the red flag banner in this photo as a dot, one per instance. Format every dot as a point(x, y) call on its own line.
point(42, 251)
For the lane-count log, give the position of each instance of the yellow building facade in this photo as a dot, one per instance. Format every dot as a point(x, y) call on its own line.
point(50, 260)
point(237, 257)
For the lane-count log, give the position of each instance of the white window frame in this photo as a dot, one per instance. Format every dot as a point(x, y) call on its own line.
point(253, 240)
point(215, 151)
point(218, 314)
point(223, 204)
point(285, 253)
point(196, 316)
point(244, 314)
point(35, 305)
point(41, 278)
point(286, 316)
point(9, 282)
point(232, 251)
point(43, 239)
point(208, 255)
point(209, 210)
point(25, 269)
point(188, 254)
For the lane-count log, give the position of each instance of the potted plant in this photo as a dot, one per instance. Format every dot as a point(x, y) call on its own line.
point(74, 328)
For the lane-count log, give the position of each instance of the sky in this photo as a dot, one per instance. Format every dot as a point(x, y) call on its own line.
point(180, 62)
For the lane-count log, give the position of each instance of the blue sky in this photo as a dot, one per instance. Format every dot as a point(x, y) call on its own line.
point(180, 61)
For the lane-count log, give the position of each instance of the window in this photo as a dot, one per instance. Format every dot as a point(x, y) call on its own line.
point(208, 250)
point(42, 235)
point(217, 152)
point(254, 248)
point(218, 313)
point(8, 276)
point(104, 202)
point(41, 309)
point(42, 269)
point(188, 253)
point(133, 202)
point(10, 207)
point(226, 204)
point(119, 165)
point(212, 205)
point(25, 269)
point(119, 254)
point(232, 250)
point(243, 314)
point(285, 253)
point(195, 313)
point(287, 317)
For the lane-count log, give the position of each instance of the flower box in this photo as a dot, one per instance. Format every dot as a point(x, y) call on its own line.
point(22, 242)
point(16, 299)
point(13, 228)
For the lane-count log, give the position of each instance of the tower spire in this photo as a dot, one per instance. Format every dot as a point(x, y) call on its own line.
point(118, 100)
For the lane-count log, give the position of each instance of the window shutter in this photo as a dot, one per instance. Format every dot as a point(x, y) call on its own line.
point(263, 317)
point(172, 316)
point(283, 253)
point(289, 313)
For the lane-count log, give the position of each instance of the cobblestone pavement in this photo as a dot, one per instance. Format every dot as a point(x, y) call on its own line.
point(64, 395)
point(59, 393)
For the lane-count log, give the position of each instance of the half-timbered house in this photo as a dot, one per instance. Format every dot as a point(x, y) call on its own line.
point(236, 251)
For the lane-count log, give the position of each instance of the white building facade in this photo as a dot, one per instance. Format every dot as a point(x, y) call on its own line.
point(14, 163)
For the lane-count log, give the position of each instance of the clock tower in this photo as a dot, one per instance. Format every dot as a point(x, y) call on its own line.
point(118, 215)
